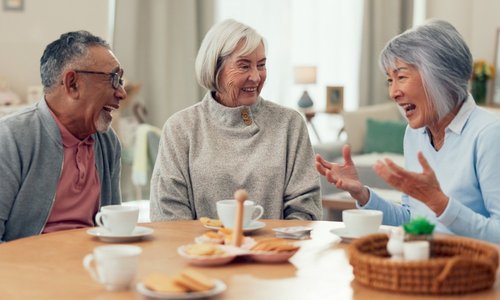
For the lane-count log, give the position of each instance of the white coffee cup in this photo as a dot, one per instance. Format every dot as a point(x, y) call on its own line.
point(416, 250)
point(359, 222)
point(226, 210)
point(114, 266)
point(118, 219)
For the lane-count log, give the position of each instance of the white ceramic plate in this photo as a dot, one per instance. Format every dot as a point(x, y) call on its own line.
point(272, 257)
point(348, 237)
point(138, 233)
point(220, 287)
point(255, 225)
point(207, 260)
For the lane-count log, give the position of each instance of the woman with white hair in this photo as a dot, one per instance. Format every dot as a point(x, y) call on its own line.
point(451, 146)
point(234, 139)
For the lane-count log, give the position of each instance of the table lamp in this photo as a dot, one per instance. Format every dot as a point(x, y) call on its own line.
point(305, 75)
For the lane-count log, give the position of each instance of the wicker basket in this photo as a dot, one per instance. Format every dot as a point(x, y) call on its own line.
point(458, 265)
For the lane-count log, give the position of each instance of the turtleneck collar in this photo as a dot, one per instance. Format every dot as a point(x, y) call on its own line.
point(241, 116)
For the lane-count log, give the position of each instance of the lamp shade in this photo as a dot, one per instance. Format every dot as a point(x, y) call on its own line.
point(304, 74)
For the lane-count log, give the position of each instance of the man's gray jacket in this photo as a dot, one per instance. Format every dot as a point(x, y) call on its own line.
point(31, 159)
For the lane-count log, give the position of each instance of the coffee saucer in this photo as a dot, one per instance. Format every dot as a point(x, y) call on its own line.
point(255, 225)
point(104, 235)
point(219, 287)
point(349, 237)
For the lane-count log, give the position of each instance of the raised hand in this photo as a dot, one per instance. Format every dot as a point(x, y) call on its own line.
point(422, 186)
point(344, 176)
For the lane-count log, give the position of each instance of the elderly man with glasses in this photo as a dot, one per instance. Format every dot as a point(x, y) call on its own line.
point(59, 160)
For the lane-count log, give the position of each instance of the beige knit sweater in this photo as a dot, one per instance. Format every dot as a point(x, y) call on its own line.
point(208, 151)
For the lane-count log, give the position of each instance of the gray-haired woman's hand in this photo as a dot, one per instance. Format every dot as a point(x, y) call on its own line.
point(422, 186)
point(344, 175)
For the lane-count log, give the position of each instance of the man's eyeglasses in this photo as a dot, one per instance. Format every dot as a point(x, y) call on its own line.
point(116, 79)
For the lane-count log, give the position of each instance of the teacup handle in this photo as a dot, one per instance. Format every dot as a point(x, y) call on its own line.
point(87, 264)
point(98, 219)
point(261, 212)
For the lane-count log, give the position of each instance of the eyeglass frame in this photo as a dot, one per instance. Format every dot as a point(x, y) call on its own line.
point(116, 78)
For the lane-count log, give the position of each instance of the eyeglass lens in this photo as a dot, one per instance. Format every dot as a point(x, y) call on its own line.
point(116, 81)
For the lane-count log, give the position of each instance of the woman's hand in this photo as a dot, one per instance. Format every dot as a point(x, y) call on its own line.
point(344, 176)
point(422, 186)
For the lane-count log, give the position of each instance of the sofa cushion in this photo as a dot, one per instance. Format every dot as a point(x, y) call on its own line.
point(384, 136)
point(355, 122)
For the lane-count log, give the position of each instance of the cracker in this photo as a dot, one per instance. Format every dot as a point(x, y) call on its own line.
point(274, 244)
point(194, 281)
point(163, 284)
point(212, 235)
point(204, 250)
point(225, 231)
point(211, 222)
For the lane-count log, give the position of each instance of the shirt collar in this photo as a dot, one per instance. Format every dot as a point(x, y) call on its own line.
point(68, 139)
point(458, 123)
point(231, 116)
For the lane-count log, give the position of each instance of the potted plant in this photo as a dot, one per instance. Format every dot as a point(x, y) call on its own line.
point(418, 229)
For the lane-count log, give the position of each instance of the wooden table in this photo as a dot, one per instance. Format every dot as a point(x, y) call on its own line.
point(50, 267)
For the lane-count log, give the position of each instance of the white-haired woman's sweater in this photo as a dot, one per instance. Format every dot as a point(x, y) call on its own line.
point(208, 151)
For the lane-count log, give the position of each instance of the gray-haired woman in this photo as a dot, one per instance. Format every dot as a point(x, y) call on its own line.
point(451, 146)
point(234, 139)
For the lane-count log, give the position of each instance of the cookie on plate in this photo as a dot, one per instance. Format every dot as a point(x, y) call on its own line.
point(194, 281)
point(163, 284)
point(211, 222)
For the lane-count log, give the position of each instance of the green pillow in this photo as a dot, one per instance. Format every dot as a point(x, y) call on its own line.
point(384, 136)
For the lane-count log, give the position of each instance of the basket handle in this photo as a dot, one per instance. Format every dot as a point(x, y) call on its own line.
point(451, 264)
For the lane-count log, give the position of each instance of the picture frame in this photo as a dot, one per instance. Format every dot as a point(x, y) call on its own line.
point(334, 99)
point(16, 5)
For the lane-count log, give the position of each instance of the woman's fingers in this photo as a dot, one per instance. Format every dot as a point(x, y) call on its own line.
point(323, 162)
point(389, 171)
point(423, 162)
point(321, 169)
point(346, 153)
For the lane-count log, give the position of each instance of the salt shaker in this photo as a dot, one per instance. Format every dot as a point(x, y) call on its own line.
point(395, 243)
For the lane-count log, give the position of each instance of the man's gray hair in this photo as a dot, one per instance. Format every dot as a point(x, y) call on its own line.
point(64, 51)
point(441, 56)
point(219, 43)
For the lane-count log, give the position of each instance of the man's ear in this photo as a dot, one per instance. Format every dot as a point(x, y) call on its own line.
point(70, 83)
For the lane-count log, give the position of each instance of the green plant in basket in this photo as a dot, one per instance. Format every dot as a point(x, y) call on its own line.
point(419, 226)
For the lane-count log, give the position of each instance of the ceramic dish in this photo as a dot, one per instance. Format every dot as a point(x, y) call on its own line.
point(271, 257)
point(214, 260)
point(220, 287)
point(104, 235)
point(255, 225)
point(348, 237)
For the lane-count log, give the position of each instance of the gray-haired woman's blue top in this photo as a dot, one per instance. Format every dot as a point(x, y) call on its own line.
point(468, 170)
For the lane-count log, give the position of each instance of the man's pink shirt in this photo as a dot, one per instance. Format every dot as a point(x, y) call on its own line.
point(77, 196)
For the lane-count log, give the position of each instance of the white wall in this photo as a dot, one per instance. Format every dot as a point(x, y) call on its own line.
point(24, 35)
point(476, 20)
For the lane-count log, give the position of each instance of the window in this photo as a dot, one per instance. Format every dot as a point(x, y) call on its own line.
point(325, 33)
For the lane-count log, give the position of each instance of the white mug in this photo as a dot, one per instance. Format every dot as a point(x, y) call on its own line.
point(416, 250)
point(359, 222)
point(226, 210)
point(118, 219)
point(114, 266)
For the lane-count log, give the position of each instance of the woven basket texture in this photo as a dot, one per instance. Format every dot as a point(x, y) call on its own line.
point(457, 265)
